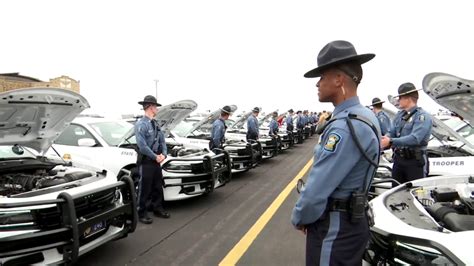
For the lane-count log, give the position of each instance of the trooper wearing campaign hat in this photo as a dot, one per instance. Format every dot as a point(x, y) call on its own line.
point(151, 153)
point(384, 121)
point(409, 136)
point(289, 121)
point(218, 130)
point(331, 207)
point(273, 126)
point(252, 125)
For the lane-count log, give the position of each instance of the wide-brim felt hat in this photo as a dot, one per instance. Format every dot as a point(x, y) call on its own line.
point(291, 111)
point(376, 101)
point(335, 53)
point(226, 109)
point(405, 89)
point(149, 99)
point(256, 110)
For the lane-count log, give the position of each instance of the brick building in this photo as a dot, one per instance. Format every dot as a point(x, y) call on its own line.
point(11, 81)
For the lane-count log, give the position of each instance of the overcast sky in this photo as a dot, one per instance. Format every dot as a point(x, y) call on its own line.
point(248, 53)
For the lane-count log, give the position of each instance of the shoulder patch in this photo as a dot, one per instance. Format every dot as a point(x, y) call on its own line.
point(422, 118)
point(332, 141)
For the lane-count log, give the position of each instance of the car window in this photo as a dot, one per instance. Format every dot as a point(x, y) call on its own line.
point(112, 132)
point(72, 134)
point(467, 132)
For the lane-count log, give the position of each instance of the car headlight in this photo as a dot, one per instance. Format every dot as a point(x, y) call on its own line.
point(178, 167)
point(10, 220)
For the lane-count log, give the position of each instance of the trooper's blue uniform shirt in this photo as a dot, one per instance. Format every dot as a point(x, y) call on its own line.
point(252, 125)
point(414, 132)
point(273, 127)
point(385, 123)
point(218, 132)
point(150, 140)
point(339, 168)
point(289, 120)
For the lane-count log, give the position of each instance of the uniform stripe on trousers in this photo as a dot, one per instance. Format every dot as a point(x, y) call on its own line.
point(326, 249)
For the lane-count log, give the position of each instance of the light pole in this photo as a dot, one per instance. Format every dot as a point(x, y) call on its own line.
point(156, 88)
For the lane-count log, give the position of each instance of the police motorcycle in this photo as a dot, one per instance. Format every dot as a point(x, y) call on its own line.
point(51, 210)
point(424, 222)
point(238, 131)
point(196, 130)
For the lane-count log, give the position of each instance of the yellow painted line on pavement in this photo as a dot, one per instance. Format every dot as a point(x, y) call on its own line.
point(239, 250)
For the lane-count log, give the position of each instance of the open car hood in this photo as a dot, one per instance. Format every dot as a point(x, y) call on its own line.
point(35, 117)
point(208, 120)
point(240, 121)
point(452, 92)
point(265, 118)
point(170, 115)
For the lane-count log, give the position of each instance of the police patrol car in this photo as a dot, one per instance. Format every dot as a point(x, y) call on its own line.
point(424, 222)
point(51, 212)
point(238, 131)
point(188, 171)
point(196, 130)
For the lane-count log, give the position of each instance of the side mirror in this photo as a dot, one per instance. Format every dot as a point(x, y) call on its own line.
point(86, 142)
point(300, 185)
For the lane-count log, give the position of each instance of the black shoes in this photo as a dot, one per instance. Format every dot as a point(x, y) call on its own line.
point(145, 219)
point(162, 214)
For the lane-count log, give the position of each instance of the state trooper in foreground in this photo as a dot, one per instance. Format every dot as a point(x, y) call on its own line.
point(218, 131)
point(409, 136)
point(151, 153)
point(331, 210)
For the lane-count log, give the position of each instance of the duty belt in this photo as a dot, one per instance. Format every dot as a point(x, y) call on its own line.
point(409, 153)
point(338, 205)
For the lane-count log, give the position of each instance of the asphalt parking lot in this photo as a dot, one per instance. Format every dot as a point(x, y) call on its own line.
point(203, 230)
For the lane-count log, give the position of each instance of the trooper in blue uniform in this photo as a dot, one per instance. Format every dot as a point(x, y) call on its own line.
point(252, 125)
point(218, 130)
point(331, 207)
point(151, 153)
point(289, 121)
point(273, 126)
point(409, 137)
point(384, 120)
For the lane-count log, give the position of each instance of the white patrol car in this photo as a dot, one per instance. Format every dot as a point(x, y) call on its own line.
point(50, 212)
point(285, 140)
point(238, 131)
point(424, 222)
point(196, 130)
point(187, 171)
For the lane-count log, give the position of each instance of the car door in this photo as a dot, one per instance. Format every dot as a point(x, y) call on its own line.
point(81, 145)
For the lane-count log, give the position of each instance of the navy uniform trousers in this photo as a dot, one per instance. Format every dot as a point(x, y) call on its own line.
point(405, 170)
point(150, 190)
point(334, 240)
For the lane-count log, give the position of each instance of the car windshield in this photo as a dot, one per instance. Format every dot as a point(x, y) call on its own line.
point(15, 152)
point(186, 125)
point(453, 122)
point(112, 131)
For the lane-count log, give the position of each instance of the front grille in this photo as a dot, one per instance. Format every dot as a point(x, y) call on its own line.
point(50, 218)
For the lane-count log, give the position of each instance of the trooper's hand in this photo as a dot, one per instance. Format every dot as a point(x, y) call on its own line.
point(160, 158)
point(385, 142)
point(302, 228)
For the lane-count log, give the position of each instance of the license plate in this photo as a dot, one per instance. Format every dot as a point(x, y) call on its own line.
point(94, 229)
